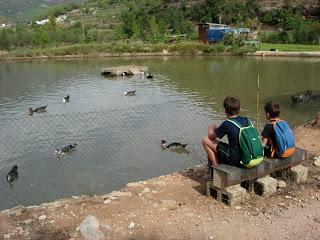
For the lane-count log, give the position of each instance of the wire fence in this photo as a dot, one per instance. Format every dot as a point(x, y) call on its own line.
point(114, 147)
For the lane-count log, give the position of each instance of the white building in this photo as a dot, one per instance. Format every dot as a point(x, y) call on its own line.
point(42, 22)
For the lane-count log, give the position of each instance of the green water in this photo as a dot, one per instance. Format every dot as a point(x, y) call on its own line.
point(118, 137)
point(209, 80)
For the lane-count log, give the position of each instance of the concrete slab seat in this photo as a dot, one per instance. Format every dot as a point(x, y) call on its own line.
point(225, 176)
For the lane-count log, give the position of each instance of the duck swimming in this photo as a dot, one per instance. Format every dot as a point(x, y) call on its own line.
point(174, 145)
point(13, 174)
point(130, 93)
point(124, 74)
point(149, 75)
point(65, 149)
point(66, 99)
point(38, 109)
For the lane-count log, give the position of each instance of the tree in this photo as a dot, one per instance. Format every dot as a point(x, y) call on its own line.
point(154, 26)
point(233, 12)
point(215, 10)
point(52, 21)
point(128, 23)
point(5, 39)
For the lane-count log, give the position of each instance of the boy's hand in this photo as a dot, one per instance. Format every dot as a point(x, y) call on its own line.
point(212, 131)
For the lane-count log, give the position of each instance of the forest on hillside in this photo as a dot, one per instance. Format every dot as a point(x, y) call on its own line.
point(154, 21)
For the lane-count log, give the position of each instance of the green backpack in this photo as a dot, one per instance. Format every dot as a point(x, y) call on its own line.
point(251, 148)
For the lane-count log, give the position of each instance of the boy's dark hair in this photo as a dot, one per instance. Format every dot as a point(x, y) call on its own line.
point(273, 108)
point(231, 105)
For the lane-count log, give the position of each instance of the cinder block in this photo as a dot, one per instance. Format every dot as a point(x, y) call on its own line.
point(298, 174)
point(282, 174)
point(231, 195)
point(225, 175)
point(265, 186)
point(235, 191)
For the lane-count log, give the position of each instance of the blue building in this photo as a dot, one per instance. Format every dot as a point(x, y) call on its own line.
point(216, 32)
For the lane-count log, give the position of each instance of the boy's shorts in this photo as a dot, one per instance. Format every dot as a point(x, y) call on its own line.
point(222, 152)
point(268, 152)
point(223, 155)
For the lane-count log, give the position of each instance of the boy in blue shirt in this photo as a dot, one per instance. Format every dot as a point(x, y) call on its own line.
point(269, 139)
point(273, 111)
point(220, 152)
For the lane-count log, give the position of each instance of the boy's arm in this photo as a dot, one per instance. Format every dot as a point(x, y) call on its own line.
point(212, 131)
point(264, 141)
point(265, 135)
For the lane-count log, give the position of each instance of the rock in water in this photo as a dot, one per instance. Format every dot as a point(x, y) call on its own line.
point(89, 228)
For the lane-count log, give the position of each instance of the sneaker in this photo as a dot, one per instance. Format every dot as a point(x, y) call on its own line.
point(207, 178)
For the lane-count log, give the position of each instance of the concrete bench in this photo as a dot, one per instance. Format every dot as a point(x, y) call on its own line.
point(226, 182)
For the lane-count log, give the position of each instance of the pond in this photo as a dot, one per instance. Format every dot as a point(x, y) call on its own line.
point(119, 136)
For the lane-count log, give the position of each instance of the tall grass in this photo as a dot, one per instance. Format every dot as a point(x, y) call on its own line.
point(93, 49)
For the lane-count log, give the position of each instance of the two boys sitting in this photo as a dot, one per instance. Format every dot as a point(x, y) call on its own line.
point(245, 148)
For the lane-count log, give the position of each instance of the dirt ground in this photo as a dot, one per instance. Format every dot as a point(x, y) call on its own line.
point(175, 206)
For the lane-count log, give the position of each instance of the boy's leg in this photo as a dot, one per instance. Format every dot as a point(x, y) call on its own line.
point(210, 146)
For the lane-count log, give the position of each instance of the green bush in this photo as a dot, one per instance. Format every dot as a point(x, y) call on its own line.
point(233, 40)
point(306, 33)
point(5, 39)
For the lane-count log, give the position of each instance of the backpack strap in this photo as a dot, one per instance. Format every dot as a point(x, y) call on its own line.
point(249, 121)
point(275, 120)
point(235, 122)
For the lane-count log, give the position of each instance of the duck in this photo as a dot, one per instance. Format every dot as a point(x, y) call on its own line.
point(65, 149)
point(149, 75)
point(173, 145)
point(13, 174)
point(38, 109)
point(299, 98)
point(130, 93)
point(66, 99)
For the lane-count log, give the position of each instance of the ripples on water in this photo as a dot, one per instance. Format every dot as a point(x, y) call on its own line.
point(119, 136)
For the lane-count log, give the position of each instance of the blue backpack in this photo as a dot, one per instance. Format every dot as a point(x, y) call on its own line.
point(285, 145)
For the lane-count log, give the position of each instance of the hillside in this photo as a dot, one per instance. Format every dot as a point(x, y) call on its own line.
point(12, 9)
point(23, 8)
point(310, 5)
point(150, 21)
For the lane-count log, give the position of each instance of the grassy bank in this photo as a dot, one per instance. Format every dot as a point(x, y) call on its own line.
point(290, 47)
point(93, 49)
point(118, 48)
